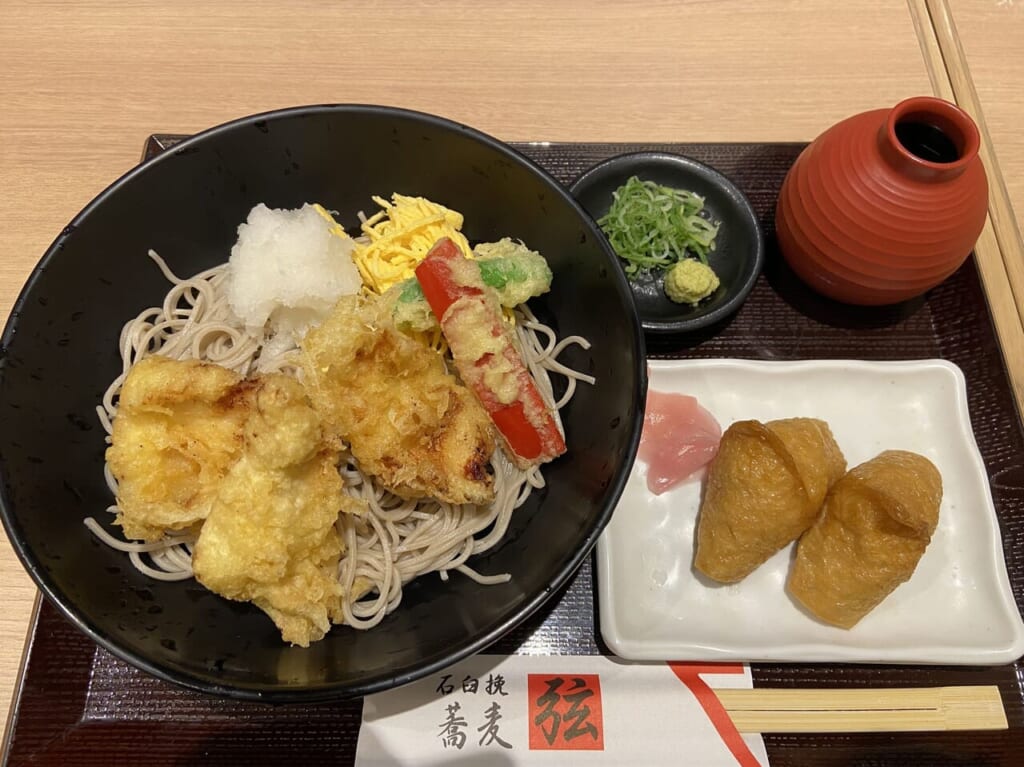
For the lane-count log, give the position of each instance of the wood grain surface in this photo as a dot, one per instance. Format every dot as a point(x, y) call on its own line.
point(84, 83)
point(991, 33)
point(999, 250)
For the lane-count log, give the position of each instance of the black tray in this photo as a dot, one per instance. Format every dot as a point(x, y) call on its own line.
point(78, 705)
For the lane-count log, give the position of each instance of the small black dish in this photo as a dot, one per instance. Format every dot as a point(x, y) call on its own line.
point(739, 247)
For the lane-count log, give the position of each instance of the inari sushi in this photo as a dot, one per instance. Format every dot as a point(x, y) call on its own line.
point(765, 487)
point(874, 528)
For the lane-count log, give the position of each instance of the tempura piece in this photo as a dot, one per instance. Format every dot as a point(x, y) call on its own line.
point(177, 431)
point(874, 528)
point(407, 421)
point(270, 536)
point(484, 352)
point(765, 487)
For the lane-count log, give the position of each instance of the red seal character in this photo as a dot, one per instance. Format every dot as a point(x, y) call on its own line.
point(565, 712)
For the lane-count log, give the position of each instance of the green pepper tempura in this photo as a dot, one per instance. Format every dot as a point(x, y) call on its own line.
point(651, 226)
point(514, 271)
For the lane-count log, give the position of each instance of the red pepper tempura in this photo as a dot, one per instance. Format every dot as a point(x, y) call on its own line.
point(485, 356)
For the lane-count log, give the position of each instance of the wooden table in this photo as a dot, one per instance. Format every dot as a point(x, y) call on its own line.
point(84, 83)
point(992, 35)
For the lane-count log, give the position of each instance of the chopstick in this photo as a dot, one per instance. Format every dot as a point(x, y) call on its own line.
point(999, 251)
point(905, 709)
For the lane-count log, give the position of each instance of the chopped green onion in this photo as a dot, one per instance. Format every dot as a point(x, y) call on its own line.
point(651, 226)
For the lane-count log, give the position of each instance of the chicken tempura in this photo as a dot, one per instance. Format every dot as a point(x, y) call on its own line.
point(407, 421)
point(177, 432)
point(245, 459)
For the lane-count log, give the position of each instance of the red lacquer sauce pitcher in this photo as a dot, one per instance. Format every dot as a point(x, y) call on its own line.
point(886, 204)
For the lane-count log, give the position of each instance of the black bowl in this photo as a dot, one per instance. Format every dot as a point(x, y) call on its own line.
point(739, 247)
point(59, 352)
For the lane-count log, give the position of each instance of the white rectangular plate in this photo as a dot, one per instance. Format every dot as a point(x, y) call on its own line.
point(956, 609)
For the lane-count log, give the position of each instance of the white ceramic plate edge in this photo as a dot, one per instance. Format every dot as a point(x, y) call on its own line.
point(645, 650)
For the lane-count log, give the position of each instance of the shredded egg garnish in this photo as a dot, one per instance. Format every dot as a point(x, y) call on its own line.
point(335, 228)
point(399, 236)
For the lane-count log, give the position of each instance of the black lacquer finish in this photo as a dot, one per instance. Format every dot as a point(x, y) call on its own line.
point(737, 257)
point(78, 705)
point(60, 351)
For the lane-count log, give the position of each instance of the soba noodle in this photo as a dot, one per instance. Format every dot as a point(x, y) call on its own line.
point(398, 540)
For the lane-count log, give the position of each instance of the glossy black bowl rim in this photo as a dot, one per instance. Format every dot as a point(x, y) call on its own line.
point(719, 179)
point(327, 692)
